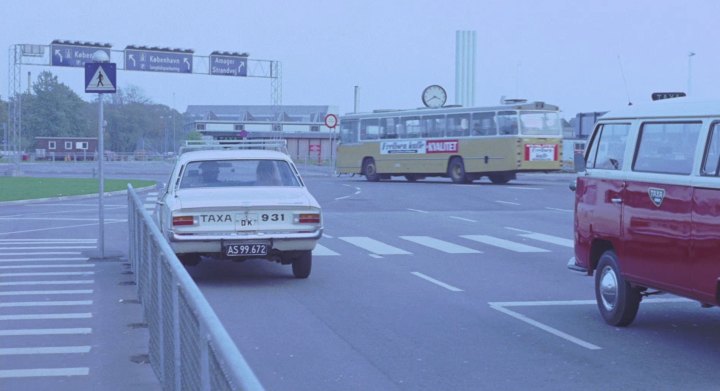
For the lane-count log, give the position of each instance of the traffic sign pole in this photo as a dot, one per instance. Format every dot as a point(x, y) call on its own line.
point(100, 78)
point(101, 152)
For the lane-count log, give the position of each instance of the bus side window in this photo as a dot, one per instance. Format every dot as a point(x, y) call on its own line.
point(483, 124)
point(507, 122)
point(458, 125)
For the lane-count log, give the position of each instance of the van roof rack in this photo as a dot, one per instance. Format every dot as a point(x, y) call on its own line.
point(202, 145)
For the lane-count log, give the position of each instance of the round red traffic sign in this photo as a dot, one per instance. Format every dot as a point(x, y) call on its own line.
point(331, 120)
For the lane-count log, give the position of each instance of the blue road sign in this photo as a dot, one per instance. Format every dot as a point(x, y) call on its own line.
point(158, 61)
point(228, 65)
point(100, 77)
point(73, 55)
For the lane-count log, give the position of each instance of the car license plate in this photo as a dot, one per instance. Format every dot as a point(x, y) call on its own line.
point(246, 249)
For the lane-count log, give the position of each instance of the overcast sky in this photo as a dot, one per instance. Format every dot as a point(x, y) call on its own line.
point(566, 52)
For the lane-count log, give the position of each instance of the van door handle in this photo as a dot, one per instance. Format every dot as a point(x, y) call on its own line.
point(616, 200)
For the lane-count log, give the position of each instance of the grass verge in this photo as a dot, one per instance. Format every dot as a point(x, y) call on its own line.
point(26, 188)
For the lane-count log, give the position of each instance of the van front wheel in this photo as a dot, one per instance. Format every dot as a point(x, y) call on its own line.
point(617, 300)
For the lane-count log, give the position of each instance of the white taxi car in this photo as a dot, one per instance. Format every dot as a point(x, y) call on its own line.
point(239, 201)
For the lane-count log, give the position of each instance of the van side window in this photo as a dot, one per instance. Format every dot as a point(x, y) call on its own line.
point(667, 147)
point(712, 152)
point(608, 147)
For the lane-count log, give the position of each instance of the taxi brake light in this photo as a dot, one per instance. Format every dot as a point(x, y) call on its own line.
point(183, 220)
point(309, 218)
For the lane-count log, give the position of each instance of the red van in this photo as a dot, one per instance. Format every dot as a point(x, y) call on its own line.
point(647, 206)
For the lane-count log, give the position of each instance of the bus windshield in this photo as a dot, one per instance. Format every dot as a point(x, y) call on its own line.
point(540, 123)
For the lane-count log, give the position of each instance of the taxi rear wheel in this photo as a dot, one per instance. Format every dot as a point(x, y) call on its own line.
point(617, 300)
point(302, 264)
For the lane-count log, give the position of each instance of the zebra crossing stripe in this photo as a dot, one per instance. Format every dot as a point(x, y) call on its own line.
point(549, 239)
point(374, 246)
point(322, 251)
point(43, 372)
point(440, 245)
point(506, 244)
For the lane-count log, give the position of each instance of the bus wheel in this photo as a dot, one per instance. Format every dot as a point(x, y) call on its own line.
point(617, 300)
point(370, 170)
point(499, 179)
point(456, 170)
point(411, 178)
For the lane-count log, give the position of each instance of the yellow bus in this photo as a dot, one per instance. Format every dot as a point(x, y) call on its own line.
point(462, 143)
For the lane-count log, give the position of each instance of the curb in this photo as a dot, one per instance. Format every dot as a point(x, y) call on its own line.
point(74, 197)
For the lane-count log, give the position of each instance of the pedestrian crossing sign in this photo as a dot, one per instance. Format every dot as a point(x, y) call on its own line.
point(100, 77)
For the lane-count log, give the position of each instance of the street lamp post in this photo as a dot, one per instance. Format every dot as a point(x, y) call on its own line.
point(689, 82)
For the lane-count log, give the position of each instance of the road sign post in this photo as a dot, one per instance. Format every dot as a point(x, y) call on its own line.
point(100, 78)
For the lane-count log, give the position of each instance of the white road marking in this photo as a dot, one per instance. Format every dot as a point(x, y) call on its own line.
point(24, 332)
point(544, 327)
point(501, 306)
point(463, 219)
point(45, 303)
point(47, 241)
point(60, 219)
point(376, 256)
point(46, 274)
point(46, 266)
point(43, 372)
point(550, 239)
point(45, 350)
point(42, 259)
point(357, 191)
point(506, 244)
point(327, 236)
point(61, 282)
point(55, 292)
point(66, 227)
point(82, 315)
point(48, 248)
point(559, 210)
point(507, 202)
point(322, 251)
point(417, 210)
point(581, 302)
point(440, 245)
point(522, 188)
point(45, 253)
point(373, 246)
point(436, 282)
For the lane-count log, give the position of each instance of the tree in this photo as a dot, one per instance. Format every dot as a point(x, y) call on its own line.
point(53, 110)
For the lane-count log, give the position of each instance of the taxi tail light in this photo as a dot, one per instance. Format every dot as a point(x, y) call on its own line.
point(183, 220)
point(308, 218)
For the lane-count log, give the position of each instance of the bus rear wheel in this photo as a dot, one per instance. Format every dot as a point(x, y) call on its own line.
point(456, 170)
point(370, 170)
point(501, 178)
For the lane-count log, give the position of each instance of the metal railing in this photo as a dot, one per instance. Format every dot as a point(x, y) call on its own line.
point(189, 349)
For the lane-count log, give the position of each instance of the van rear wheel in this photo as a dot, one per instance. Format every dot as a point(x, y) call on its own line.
point(617, 300)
